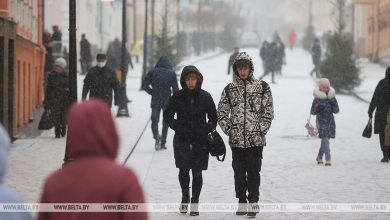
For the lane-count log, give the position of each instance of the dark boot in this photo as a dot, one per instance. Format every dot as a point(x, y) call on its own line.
point(157, 144)
point(385, 158)
point(63, 130)
point(185, 200)
point(57, 131)
point(253, 209)
point(163, 147)
point(242, 207)
point(194, 207)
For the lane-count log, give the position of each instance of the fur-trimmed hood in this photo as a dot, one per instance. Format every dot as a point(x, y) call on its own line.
point(322, 95)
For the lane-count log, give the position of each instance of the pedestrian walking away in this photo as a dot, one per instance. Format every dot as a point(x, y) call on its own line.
point(380, 103)
point(245, 113)
point(57, 96)
point(324, 106)
point(85, 54)
point(100, 82)
point(268, 54)
point(195, 117)
point(91, 174)
point(316, 53)
point(160, 83)
point(292, 38)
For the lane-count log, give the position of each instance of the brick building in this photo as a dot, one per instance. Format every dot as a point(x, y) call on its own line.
point(22, 58)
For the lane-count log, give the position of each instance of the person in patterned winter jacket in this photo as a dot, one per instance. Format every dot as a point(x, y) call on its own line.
point(245, 112)
point(324, 106)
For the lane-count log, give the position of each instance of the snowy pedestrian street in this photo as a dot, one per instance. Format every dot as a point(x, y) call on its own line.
point(289, 173)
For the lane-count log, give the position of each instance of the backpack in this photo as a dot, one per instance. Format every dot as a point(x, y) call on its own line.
point(216, 145)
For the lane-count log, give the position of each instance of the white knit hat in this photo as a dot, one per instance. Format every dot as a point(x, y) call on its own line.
point(60, 62)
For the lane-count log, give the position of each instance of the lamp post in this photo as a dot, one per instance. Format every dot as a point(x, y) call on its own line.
point(72, 62)
point(145, 57)
point(72, 52)
point(122, 105)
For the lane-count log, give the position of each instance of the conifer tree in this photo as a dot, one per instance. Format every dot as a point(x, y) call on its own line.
point(339, 64)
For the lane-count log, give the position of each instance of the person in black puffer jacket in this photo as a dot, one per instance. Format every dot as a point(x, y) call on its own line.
point(196, 117)
point(381, 102)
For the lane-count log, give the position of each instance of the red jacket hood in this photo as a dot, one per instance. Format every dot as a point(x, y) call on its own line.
point(91, 130)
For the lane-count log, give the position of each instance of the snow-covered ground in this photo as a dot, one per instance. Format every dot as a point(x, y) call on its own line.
point(289, 172)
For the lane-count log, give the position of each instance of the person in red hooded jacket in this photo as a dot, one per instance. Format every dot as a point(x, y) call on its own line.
point(92, 175)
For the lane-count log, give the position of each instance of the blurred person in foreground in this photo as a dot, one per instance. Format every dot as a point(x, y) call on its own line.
point(92, 174)
point(6, 194)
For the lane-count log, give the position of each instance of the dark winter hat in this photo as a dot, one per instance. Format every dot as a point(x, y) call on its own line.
point(101, 56)
point(388, 73)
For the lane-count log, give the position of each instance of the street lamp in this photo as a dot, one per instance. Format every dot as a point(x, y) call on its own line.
point(145, 58)
point(122, 105)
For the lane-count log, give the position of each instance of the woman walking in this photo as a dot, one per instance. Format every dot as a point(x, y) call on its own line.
point(195, 117)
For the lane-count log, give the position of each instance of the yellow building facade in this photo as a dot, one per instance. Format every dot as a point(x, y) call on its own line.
point(371, 28)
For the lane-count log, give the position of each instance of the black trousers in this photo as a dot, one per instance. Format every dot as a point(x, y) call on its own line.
point(385, 149)
point(155, 120)
point(197, 183)
point(247, 166)
point(59, 124)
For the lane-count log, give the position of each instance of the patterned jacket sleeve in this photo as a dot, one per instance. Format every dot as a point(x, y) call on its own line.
point(223, 113)
point(268, 111)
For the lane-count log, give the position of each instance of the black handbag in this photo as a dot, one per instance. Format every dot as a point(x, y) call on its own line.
point(367, 132)
point(46, 121)
point(216, 145)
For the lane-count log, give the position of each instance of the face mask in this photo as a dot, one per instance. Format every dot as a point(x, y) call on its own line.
point(101, 64)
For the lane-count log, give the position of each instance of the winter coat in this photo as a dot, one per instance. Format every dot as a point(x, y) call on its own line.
point(137, 49)
point(267, 54)
point(6, 194)
point(191, 125)
point(387, 130)
point(92, 176)
point(245, 110)
point(114, 57)
point(380, 101)
point(324, 106)
point(57, 94)
point(316, 53)
point(280, 54)
point(85, 50)
point(159, 81)
point(100, 83)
